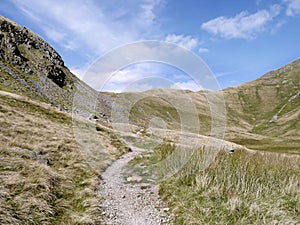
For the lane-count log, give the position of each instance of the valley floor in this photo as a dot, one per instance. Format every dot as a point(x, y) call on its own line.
point(46, 180)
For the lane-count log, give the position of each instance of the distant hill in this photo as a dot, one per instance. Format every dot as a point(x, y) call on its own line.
point(268, 106)
point(50, 174)
point(261, 113)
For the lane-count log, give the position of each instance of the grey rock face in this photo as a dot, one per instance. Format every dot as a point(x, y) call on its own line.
point(16, 41)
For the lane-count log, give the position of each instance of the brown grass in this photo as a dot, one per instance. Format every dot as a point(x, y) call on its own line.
point(238, 188)
point(32, 192)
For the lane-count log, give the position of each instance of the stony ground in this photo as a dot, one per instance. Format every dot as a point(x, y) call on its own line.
point(128, 199)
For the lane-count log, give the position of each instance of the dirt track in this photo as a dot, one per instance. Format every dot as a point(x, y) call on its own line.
point(134, 202)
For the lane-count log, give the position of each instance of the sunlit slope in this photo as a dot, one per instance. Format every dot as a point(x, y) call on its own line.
point(30, 66)
point(45, 177)
point(259, 114)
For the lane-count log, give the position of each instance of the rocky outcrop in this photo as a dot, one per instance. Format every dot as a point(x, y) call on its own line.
point(17, 41)
point(30, 66)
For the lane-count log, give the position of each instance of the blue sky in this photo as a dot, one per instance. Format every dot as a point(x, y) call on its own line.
point(238, 40)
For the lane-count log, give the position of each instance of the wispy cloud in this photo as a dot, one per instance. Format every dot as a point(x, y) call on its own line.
point(147, 14)
point(89, 24)
point(78, 71)
point(187, 85)
point(243, 25)
point(203, 50)
point(134, 78)
point(223, 74)
point(91, 29)
point(182, 40)
point(142, 76)
point(293, 7)
point(54, 34)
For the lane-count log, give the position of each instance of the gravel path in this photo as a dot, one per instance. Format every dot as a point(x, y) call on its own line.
point(132, 203)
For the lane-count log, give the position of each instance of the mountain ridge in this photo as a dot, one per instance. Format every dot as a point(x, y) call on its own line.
point(52, 161)
point(264, 109)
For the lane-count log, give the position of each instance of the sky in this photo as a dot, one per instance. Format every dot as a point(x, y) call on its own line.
point(238, 40)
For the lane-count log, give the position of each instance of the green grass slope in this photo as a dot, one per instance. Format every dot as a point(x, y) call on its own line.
point(238, 188)
point(267, 109)
point(263, 114)
point(244, 187)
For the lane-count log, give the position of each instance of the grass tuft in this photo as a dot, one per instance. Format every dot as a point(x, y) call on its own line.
point(63, 191)
point(239, 188)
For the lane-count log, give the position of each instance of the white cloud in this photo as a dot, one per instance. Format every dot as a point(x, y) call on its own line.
point(184, 41)
point(117, 88)
point(136, 87)
point(293, 7)
point(147, 14)
point(89, 25)
point(222, 74)
point(91, 28)
point(79, 72)
point(203, 50)
point(145, 76)
point(162, 60)
point(128, 75)
point(54, 34)
point(277, 26)
point(187, 85)
point(133, 78)
point(243, 25)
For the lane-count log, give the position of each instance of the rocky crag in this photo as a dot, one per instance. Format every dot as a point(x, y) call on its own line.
point(30, 66)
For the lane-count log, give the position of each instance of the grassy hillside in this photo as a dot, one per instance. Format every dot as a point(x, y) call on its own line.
point(263, 114)
point(243, 187)
point(31, 67)
point(268, 109)
point(239, 188)
point(47, 177)
point(167, 108)
point(44, 177)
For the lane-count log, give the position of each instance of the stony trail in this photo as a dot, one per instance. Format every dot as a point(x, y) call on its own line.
point(130, 203)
